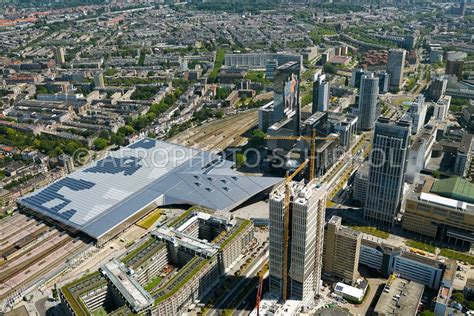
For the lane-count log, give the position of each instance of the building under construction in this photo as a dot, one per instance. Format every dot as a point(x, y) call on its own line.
point(296, 242)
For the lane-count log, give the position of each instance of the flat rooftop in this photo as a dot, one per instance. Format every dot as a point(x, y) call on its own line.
point(99, 197)
point(136, 296)
point(399, 297)
point(173, 236)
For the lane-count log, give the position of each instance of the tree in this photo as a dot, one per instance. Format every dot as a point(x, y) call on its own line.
point(223, 92)
point(257, 139)
point(126, 130)
point(240, 159)
point(118, 139)
point(219, 114)
point(100, 143)
point(436, 174)
point(458, 297)
point(329, 68)
point(104, 134)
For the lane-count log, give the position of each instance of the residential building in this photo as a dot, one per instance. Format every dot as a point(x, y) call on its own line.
point(99, 80)
point(395, 67)
point(67, 162)
point(386, 171)
point(369, 91)
point(341, 251)
point(302, 266)
point(59, 55)
point(198, 247)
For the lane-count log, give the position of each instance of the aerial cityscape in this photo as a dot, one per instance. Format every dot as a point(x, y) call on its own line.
point(236, 157)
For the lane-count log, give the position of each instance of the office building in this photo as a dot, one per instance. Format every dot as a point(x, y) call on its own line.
point(455, 63)
point(320, 94)
point(436, 54)
point(442, 210)
point(462, 8)
point(356, 77)
point(286, 94)
point(411, 264)
point(420, 152)
point(384, 81)
point(369, 92)
point(395, 66)
point(399, 297)
point(99, 80)
point(59, 53)
point(441, 108)
point(341, 251)
point(361, 183)
point(463, 156)
point(345, 125)
point(443, 299)
point(438, 88)
point(416, 114)
point(299, 272)
point(270, 69)
point(386, 171)
point(257, 61)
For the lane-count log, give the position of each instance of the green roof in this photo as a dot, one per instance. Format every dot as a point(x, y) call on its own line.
point(455, 188)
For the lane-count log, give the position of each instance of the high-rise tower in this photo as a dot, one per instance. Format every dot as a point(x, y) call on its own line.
point(320, 94)
point(395, 66)
point(386, 170)
point(369, 92)
point(305, 240)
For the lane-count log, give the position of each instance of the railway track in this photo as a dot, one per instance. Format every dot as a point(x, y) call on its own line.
point(7, 274)
point(213, 135)
point(227, 141)
point(60, 255)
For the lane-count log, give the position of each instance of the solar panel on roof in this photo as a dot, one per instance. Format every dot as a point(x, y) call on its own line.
point(102, 195)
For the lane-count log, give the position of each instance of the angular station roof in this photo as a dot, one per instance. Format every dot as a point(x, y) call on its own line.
point(100, 196)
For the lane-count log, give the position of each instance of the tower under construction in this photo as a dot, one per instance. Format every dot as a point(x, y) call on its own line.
point(296, 250)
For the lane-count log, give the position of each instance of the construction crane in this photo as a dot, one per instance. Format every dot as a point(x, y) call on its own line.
point(287, 210)
point(259, 291)
point(312, 140)
point(286, 227)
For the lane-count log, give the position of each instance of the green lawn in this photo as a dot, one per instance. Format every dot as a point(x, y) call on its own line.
point(371, 231)
point(153, 283)
point(150, 219)
point(448, 253)
point(421, 246)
